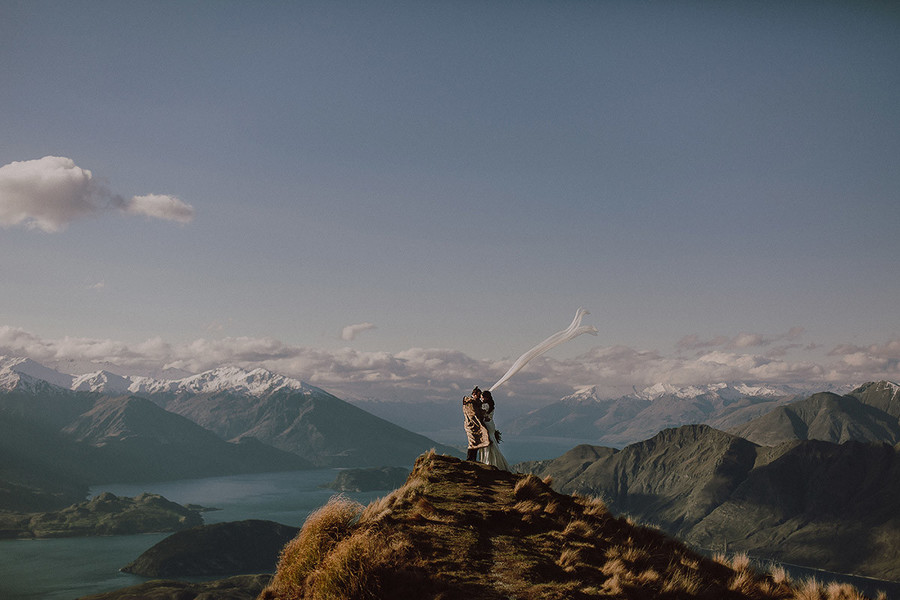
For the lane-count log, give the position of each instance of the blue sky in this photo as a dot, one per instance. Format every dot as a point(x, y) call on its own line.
point(717, 182)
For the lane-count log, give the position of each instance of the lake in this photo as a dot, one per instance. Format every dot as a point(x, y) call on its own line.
point(66, 568)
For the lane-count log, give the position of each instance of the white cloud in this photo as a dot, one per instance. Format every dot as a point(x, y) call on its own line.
point(438, 374)
point(45, 194)
point(51, 192)
point(350, 332)
point(160, 206)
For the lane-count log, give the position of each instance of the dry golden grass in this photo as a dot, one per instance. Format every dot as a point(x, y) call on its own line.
point(842, 591)
point(569, 558)
point(322, 530)
point(461, 531)
point(529, 488)
point(810, 589)
point(780, 575)
point(649, 576)
point(682, 582)
point(578, 529)
point(552, 507)
point(347, 571)
point(529, 506)
point(614, 566)
point(740, 562)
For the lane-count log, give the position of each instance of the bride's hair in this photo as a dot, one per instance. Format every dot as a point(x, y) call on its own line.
point(488, 399)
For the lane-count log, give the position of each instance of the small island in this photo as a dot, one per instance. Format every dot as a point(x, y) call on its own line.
point(105, 514)
point(369, 480)
point(231, 548)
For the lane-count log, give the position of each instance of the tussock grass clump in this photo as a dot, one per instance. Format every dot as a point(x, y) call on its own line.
point(322, 530)
point(740, 562)
point(552, 507)
point(578, 529)
point(594, 506)
point(347, 571)
point(569, 558)
point(527, 507)
point(378, 509)
point(529, 488)
point(779, 575)
point(683, 582)
point(810, 589)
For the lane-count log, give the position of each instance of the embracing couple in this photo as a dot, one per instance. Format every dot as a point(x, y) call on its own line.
point(478, 411)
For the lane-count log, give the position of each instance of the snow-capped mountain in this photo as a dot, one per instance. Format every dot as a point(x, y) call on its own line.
point(102, 381)
point(24, 373)
point(235, 404)
point(725, 391)
point(18, 372)
point(256, 382)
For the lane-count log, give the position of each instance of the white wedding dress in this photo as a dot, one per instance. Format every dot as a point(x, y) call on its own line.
point(490, 454)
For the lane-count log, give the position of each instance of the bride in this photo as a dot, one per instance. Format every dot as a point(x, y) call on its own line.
point(490, 454)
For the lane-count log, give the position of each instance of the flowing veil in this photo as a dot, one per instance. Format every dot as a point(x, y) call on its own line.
point(572, 331)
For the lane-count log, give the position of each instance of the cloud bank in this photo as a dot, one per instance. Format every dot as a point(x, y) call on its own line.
point(439, 375)
point(51, 192)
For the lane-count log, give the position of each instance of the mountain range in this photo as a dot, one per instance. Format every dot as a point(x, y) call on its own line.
point(816, 483)
point(65, 432)
point(589, 415)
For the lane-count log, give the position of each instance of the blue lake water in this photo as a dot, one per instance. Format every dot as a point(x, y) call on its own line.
point(64, 569)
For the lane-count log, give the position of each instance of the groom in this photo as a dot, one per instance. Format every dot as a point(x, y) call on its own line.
point(475, 431)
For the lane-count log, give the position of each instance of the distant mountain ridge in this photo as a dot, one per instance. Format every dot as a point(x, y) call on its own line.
point(589, 415)
point(827, 417)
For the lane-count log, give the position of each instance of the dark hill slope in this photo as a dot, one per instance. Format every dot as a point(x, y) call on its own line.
point(833, 506)
point(882, 395)
point(675, 478)
point(40, 469)
point(568, 466)
point(313, 424)
point(239, 547)
point(815, 503)
point(137, 440)
point(824, 416)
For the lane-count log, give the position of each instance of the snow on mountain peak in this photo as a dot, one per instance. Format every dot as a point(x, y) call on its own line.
point(101, 381)
point(17, 371)
point(255, 383)
point(726, 391)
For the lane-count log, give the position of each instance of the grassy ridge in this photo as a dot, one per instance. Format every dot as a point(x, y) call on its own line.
point(461, 530)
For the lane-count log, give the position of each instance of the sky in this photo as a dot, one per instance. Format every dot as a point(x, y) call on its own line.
point(396, 199)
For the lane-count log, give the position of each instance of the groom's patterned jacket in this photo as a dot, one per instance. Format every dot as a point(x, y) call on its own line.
point(475, 431)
